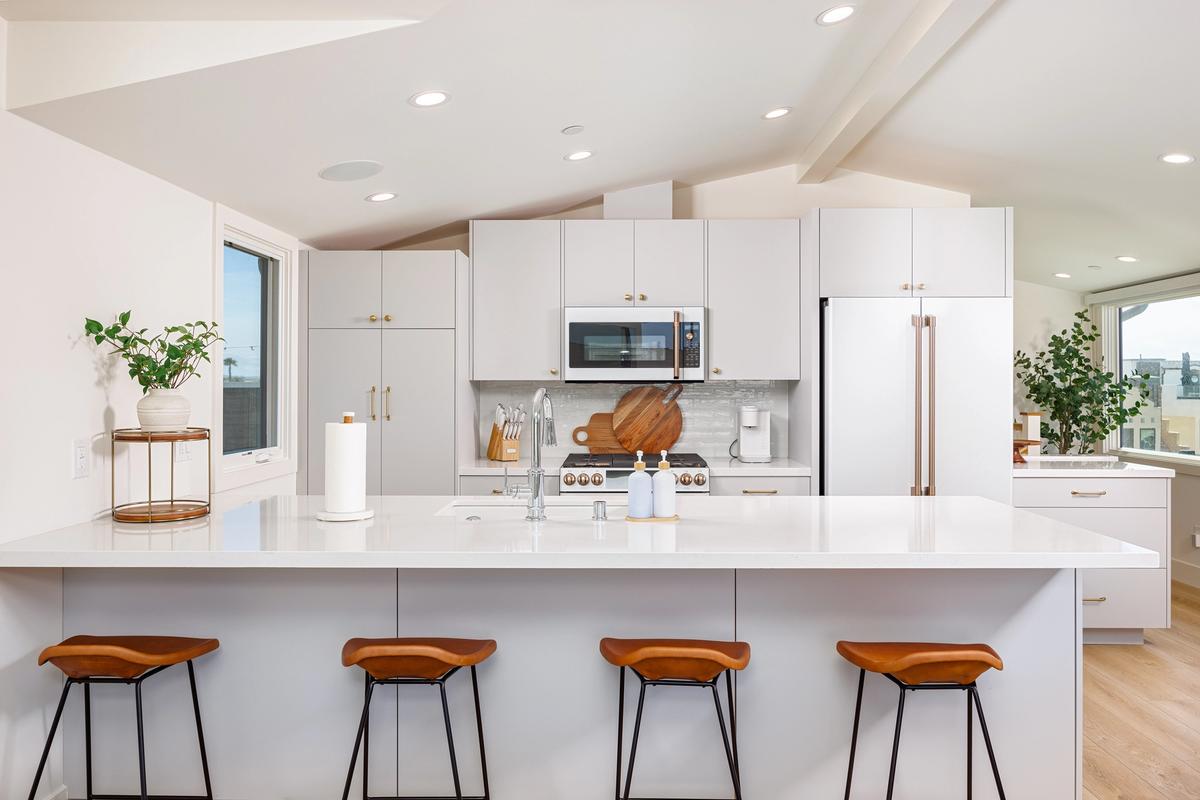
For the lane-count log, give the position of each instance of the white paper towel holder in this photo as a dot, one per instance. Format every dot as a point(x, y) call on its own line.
point(345, 516)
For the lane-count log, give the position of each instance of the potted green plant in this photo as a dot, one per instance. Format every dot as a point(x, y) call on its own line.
point(160, 364)
point(1083, 401)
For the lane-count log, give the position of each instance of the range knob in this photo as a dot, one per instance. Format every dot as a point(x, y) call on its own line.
point(597, 479)
point(569, 478)
point(584, 480)
point(685, 479)
point(700, 479)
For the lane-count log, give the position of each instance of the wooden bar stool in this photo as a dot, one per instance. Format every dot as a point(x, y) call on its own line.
point(416, 661)
point(677, 662)
point(91, 660)
point(917, 666)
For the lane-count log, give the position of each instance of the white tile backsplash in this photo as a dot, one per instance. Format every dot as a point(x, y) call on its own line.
point(709, 411)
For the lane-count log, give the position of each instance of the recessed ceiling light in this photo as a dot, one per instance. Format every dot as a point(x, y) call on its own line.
point(434, 97)
point(1176, 158)
point(578, 155)
point(1062, 274)
point(1127, 259)
point(380, 197)
point(1094, 266)
point(776, 113)
point(571, 130)
point(833, 16)
point(351, 170)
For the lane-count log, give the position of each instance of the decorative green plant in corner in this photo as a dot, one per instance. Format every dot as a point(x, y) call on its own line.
point(1086, 402)
point(163, 361)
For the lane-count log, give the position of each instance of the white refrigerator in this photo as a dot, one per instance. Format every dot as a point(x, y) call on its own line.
point(917, 396)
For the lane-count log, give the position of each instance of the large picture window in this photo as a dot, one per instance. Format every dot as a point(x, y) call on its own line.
point(1162, 339)
point(250, 365)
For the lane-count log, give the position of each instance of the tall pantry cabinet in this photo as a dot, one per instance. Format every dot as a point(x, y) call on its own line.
point(382, 334)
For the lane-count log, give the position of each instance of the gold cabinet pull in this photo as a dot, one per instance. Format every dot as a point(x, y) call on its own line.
point(716, 370)
point(931, 324)
point(920, 286)
point(372, 403)
point(387, 317)
point(641, 295)
point(387, 403)
point(906, 286)
point(497, 491)
point(554, 370)
point(760, 491)
point(628, 296)
point(1077, 493)
point(1100, 599)
point(918, 323)
point(374, 318)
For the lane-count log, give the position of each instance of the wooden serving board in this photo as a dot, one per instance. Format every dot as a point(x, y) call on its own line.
point(648, 418)
point(598, 435)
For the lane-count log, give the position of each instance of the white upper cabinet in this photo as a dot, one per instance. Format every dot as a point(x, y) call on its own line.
point(754, 299)
point(598, 262)
point(418, 289)
point(866, 252)
point(668, 262)
point(343, 289)
point(516, 300)
point(959, 252)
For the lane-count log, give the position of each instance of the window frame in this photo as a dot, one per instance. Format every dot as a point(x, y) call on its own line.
point(1105, 311)
point(280, 461)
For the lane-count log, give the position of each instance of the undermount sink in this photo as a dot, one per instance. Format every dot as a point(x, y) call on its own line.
point(508, 510)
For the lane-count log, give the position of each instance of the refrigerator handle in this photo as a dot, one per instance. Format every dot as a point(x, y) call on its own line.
point(931, 323)
point(916, 489)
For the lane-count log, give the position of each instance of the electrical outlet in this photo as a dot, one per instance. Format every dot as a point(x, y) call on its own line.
point(81, 458)
point(182, 452)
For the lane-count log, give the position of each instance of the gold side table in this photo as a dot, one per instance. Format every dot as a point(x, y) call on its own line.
point(172, 509)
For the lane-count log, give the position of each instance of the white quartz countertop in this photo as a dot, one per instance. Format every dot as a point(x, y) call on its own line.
point(1088, 468)
point(490, 533)
point(717, 467)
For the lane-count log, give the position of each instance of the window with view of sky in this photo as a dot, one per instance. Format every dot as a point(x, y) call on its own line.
point(1162, 340)
point(248, 364)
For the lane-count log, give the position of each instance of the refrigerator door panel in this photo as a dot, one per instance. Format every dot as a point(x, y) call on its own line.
point(870, 396)
point(970, 396)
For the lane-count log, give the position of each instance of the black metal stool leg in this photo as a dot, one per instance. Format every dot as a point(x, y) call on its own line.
point(366, 738)
point(62, 701)
point(987, 740)
point(199, 736)
point(137, 696)
point(896, 744)
point(862, 675)
point(620, 729)
point(87, 736)
point(637, 729)
point(450, 741)
point(970, 744)
point(357, 740)
point(733, 723)
point(733, 772)
point(479, 725)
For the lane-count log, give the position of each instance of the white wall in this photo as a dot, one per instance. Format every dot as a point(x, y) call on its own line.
point(1038, 313)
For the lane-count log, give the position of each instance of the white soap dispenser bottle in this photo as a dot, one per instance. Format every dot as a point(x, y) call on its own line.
point(641, 493)
point(664, 489)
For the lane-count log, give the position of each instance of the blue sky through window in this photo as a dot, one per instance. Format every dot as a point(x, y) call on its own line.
point(243, 317)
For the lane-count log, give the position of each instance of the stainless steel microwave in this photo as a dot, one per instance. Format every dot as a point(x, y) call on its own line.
point(634, 344)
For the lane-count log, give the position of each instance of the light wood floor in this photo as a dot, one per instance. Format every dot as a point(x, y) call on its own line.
point(1141, 712)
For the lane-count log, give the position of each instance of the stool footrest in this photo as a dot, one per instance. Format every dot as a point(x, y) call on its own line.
point(427, 797)
point(151, 796)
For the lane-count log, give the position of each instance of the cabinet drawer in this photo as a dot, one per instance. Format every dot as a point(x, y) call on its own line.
point(1090, 492)
point(1133, 598)
point(475, 485)
point(1145, 527)
point(753, 487)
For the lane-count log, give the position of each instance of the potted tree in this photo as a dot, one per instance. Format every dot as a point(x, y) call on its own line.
point(1083, 401)
point(160, 364)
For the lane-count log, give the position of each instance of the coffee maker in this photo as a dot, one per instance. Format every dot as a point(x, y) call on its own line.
point(754, 435)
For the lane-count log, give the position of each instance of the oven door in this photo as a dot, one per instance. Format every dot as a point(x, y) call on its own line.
point(633, 344)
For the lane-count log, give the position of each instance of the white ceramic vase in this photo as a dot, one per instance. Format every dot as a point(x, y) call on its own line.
point(163, 410)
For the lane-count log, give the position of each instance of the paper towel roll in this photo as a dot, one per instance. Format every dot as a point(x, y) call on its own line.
point(345, 467)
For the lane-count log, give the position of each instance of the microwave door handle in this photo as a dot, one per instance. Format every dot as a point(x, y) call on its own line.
point(677, 321)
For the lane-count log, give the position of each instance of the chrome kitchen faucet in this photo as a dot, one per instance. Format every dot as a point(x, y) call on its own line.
point(542, 433)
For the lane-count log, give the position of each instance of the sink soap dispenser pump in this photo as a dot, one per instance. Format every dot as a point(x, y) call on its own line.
point(664, 489)
point(641, 493)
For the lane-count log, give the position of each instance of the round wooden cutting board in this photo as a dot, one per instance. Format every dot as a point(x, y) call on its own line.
point(648, 418)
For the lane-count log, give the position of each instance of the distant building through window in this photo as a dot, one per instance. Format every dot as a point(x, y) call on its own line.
point(250, 366)
point(1159, 339)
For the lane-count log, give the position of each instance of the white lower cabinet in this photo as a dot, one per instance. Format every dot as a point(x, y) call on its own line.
point(759, 487)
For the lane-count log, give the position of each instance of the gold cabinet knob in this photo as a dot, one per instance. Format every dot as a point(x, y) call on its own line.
point(374, 318)
point(716, 370)
point(387, 317)
point(628, 296)
point(641, 295)
point(554, 370)
point(906, 286)
point(920, 286)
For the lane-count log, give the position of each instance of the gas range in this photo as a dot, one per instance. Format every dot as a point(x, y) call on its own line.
point(605, 472)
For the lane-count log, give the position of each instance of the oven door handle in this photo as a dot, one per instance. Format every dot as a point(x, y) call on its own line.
point(677, 322)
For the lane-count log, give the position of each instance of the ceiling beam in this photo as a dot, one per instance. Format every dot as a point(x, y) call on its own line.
point(933, 28)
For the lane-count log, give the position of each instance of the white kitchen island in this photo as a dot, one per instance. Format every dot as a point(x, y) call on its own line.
point(790, 575)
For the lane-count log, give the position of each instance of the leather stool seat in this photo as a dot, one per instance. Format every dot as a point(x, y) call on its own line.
point(922, 662)
point(418, 657)
point(676, 659)
point(122, 656)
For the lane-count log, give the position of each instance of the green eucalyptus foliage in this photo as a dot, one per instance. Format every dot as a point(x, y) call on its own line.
point(1086, 402)
point(163, 361)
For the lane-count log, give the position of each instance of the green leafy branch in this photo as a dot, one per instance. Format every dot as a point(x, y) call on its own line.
point(163, 361)
point(1086, 401)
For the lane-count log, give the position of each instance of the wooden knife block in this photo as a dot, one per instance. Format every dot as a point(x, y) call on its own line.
point(501, 449)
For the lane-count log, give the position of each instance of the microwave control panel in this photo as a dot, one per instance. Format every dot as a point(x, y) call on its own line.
point(690, 332)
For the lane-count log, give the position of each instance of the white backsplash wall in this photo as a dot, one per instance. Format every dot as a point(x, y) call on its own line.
point(709, 412)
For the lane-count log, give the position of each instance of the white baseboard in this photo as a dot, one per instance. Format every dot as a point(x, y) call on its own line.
point(1185, 572)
